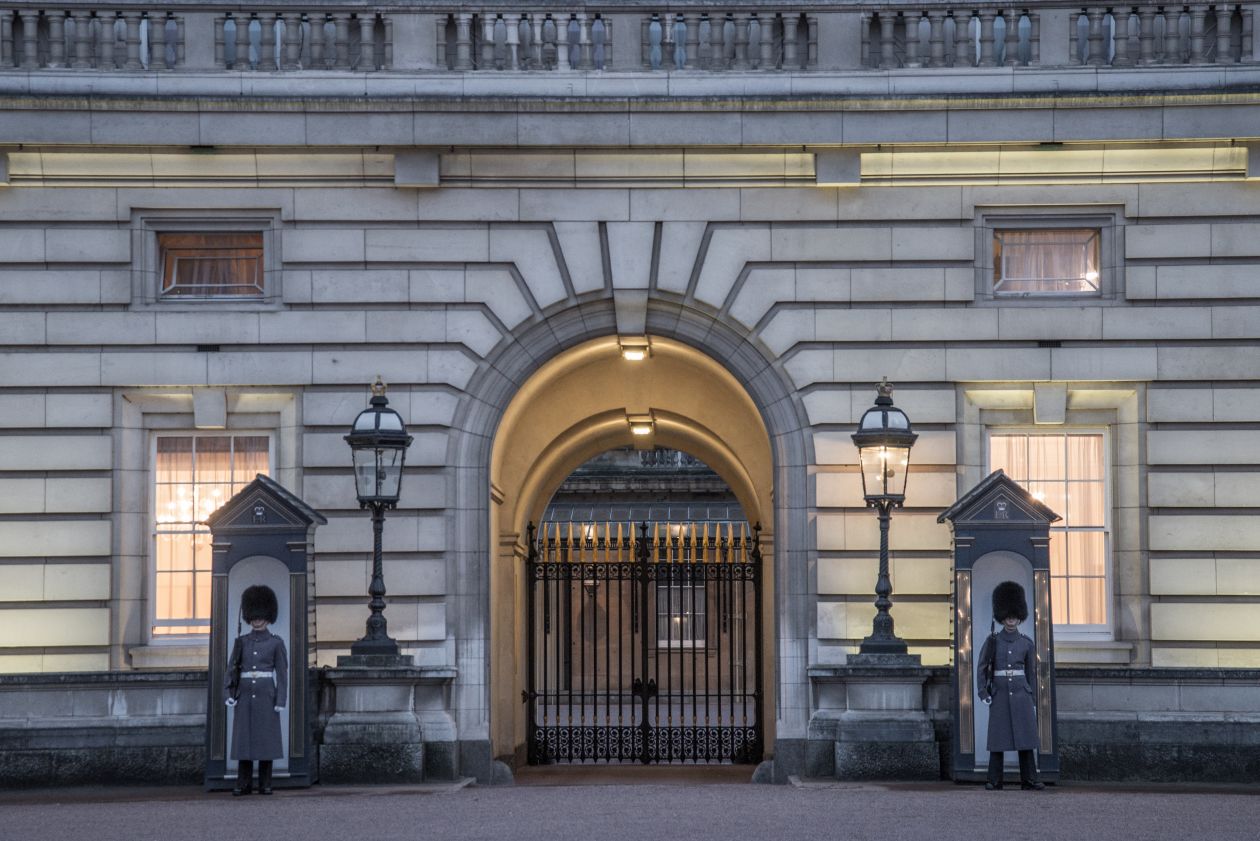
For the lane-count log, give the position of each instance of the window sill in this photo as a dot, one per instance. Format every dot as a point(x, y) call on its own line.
point(1092, 652)
point(168, 656)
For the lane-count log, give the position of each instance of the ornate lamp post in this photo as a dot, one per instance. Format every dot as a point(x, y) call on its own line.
point(379, 441)
point(884, 439)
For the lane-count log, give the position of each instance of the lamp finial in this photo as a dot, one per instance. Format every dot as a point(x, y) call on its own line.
point(378, 387)
point(885, 390)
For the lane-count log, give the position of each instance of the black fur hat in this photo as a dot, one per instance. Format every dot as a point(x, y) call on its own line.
point(1009, 600)
point(259, 602)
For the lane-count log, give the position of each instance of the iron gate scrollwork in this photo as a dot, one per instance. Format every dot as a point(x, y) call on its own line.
point(644, 647)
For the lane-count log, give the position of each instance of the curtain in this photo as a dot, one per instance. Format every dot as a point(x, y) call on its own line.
point(1046, 261)
point(211, 265)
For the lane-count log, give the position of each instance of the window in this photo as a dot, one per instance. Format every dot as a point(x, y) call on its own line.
point(1046, 262)
point(211, 265)
point(193, 476)
point(1067, 471)
point(680, 615)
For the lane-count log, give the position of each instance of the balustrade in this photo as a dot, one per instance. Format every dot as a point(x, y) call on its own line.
point(86, 39)
point(686, 36)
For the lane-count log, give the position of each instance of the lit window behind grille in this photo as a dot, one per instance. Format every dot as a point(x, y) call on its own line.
point(1046, 262)
point(228, 265)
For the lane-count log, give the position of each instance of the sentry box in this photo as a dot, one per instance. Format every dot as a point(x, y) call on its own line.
point(1001, 533)
point(262, 535)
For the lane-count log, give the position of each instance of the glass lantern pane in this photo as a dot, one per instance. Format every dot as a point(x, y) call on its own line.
point(365, 472)
point(391, 461)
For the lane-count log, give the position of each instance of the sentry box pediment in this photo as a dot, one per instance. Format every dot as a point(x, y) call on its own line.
point(1001, 533)
point(262, 535)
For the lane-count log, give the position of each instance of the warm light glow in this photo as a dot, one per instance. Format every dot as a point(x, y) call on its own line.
point(1092, 277)
point(633, 354)
point(641, 428)
point(634, 349)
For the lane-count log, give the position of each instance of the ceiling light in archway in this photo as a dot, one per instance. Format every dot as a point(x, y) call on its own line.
point(641, 424)
point(634, 348)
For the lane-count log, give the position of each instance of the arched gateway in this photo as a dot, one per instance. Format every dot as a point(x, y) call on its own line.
point(739, 419)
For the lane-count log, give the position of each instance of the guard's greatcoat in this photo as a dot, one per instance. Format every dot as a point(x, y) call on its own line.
point(256, 724)
point(1013, 714)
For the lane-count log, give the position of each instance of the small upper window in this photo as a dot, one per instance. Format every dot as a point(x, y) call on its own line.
point(1046, 262)
point(211, 265)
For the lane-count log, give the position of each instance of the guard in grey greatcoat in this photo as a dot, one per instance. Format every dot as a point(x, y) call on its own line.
point(258, 688)
point(1007, 674)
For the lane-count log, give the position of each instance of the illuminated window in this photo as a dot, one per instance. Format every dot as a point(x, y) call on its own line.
point(211, 265)
point(1067, 472)
point(193, 476)
point(1046, 262)
point(680, 615)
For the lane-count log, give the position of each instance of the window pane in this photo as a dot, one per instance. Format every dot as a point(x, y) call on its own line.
point(1059, 604)
point(1046, 457)
point(250, 459)
point(1086, 504)
point(174, 459)
point(1046, 261)
point(211, 265)
point(1086, 601)
point(1058, 553)
point(1051, 494)
point(1010, 454)
point(1085, 553)
point(1085, 457)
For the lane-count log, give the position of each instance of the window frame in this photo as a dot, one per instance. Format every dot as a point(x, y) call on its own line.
point(701, 594)
point(1069, 631)
point(147, 270)
point(151, 524)
point(1107, 221)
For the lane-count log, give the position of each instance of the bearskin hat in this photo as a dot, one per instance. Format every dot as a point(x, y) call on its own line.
point(1009, 600)
point(259, 602)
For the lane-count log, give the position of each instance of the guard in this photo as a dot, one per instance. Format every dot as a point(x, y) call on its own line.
point(258, 687)
point(1007, 672)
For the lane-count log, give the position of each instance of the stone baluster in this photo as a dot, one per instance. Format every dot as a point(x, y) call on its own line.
point(646, 39)
point(912, 39)
point(1146, 34)
point(1198, 25)
point(132, 20)
point(1247, 44)
point(741, 41)
point(220, 41)
point(562, 44)
point(292, 41)
point(987, 16)
point(388, 52)
point(157, 42)
point(964, 49)
point(753, 52)
point(7, 52)
point(1034, 38)
point(1012, 37)
point(887, 24)
point(586, 55)
point(790, 60)
point(82, 39)
point(367, 42)
point(693, 40)
point(936, 23)
point(108, 39)
point(30, 54)
point(487, 41)
point(268, 60)
point(180, 42)
point(717, 42)
point(1120, 14)
point(463, 41)
point(323, 54)
point(513, 39)
point(537, 20)
point(1097, 54)
point(1172, 35)
point(765, 40)
point(811, 33)
point(1224, 50)
point(341, 40)
point(56, 38)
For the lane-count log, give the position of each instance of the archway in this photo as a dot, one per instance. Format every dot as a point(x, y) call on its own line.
point(579, 404)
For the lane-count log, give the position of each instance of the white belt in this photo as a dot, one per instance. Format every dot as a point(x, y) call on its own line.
point(259, 675)
point(1009, 673)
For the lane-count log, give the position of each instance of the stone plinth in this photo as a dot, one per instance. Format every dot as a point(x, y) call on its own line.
point(872, 722)
point(387, 724)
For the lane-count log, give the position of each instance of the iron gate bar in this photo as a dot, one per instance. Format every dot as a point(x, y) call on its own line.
point(694, 593)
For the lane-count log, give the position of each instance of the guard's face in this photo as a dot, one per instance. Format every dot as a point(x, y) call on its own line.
point(258, 624)
point(1010, 623)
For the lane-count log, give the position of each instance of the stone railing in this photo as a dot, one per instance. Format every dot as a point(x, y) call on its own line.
point(620, 35)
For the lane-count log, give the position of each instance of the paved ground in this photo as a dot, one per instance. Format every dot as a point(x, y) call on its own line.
point(555, 807)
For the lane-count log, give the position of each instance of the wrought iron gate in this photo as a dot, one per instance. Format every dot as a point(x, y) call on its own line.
point(644, 647)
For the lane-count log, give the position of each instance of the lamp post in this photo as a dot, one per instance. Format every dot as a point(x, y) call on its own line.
point(378, 441)
point(884, 439)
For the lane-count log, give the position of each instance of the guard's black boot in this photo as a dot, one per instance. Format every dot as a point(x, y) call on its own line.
point(995, 772)
point(1028, 772)
point(264, 776)
point(244, 778)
